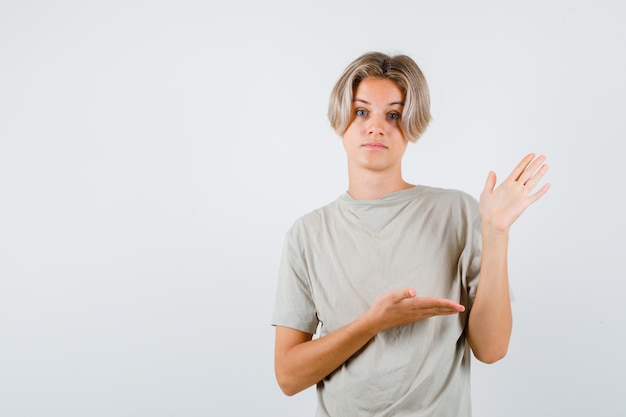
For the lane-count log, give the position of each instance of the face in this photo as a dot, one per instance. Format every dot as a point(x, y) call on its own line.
point(374, 139)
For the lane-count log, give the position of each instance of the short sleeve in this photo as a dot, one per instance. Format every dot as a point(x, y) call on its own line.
point(470, 263)
point(294, 306)
point(470, 258)
point(473, 254)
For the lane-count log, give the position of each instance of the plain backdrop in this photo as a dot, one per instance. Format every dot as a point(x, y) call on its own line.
point(154, 153)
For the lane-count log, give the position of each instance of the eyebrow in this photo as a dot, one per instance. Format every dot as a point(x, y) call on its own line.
point(401, 103)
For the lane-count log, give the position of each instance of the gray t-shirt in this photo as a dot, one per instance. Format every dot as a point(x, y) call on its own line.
point(338, 259)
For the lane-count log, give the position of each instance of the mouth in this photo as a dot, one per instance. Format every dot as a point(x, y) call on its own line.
point(374, 146)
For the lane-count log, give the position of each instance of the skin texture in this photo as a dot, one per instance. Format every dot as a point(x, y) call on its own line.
point(374, 146)
point(374, 142)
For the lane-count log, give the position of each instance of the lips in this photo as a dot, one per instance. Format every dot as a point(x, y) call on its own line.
point(374, 145)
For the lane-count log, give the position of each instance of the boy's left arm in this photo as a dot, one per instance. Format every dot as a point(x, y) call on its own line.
point(490, 321)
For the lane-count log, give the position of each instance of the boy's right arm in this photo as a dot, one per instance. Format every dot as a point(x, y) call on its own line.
point(301, 361)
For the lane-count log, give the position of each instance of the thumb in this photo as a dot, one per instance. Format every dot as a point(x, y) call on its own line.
point(399, 295)
point(490, 183)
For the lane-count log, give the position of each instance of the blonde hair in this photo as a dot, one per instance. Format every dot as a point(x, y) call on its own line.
point(400, 69)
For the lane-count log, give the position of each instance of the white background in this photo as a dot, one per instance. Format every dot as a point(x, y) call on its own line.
point(154, 153)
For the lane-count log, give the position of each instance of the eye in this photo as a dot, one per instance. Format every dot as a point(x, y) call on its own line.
point(361, 112)
point(394, 116)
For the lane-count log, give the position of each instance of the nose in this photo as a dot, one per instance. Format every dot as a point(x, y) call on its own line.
point(376, 126)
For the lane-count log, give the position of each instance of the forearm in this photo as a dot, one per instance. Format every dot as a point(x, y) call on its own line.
point(304, 364)
point(490, 321)
point(301, 362)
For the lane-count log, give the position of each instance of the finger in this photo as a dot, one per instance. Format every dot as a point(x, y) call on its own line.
point(445, 310)
point(399, 295)
point(540, 193)
point(457, 308)
point(534, 180)
point(444, 306)
point(515, 174)
point(534, 167)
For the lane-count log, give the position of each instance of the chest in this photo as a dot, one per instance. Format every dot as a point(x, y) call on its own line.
point(350, 265)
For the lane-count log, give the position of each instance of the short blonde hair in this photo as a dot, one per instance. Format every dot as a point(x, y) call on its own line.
point(400, 69)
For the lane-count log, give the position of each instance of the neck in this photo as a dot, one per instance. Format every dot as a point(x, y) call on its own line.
point(368, 185)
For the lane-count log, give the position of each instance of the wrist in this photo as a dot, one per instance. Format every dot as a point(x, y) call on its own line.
point(369, 323)
point(494, 229)
point(493, 235)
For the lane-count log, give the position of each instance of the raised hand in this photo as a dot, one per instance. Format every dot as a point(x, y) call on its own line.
point(501, 206)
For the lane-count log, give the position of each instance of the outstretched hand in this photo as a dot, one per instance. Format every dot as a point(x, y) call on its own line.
point(501, 206)
point(400, 307)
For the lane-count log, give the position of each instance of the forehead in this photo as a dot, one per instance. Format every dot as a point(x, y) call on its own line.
point(378, 90)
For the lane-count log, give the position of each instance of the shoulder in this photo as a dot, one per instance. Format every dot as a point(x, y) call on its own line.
point(451, 204)
point(313, 220)
point(448, 196)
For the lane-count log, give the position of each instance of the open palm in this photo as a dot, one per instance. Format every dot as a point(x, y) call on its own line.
point(501, 206)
